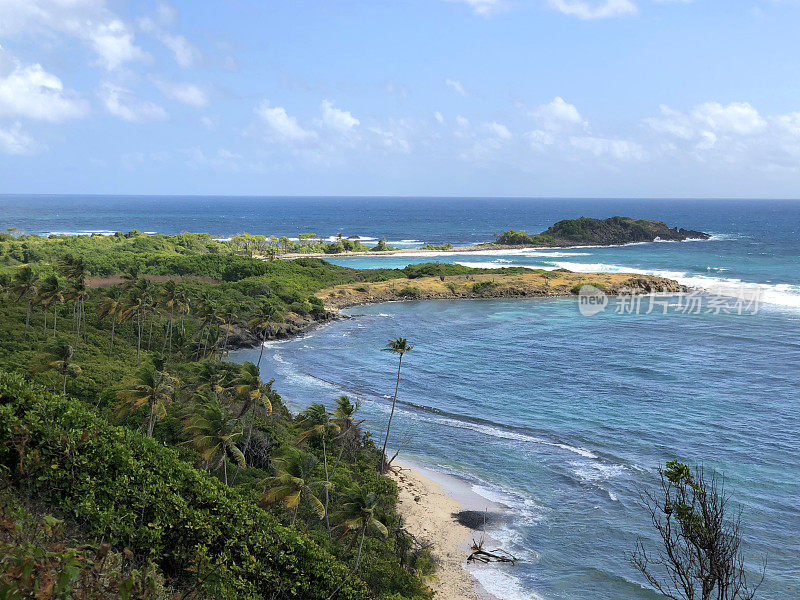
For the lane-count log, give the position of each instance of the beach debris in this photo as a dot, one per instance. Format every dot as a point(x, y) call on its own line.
point(487, 556)
point(497, 555)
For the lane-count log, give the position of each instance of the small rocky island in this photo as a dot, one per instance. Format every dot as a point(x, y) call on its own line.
point(599, 232)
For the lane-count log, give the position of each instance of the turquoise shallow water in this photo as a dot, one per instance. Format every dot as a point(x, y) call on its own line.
point(561, 417)
point(564, 418)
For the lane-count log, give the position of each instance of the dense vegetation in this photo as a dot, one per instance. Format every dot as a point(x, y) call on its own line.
point(586, 231)
point(137, 463)
point(307, 243)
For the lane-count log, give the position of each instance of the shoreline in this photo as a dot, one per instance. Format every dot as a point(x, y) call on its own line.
point(494, 285)
point(481, 247)
point(429, 504)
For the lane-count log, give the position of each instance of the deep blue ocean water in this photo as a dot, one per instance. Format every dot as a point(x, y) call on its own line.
point(561, 417)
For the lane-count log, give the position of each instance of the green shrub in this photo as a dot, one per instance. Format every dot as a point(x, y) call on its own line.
point(409, 292)
point(135, 492)
point(482, 286)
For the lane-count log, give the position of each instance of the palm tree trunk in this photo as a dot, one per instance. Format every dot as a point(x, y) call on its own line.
point(327, 483)
point(294, 516)
point(64, 385)
point(263, 341)
point(151, 420)
point(150, 335)
point(360, 546)
point(77, 322)
point(170, 332)
point(55, 318)
point(27, 318)
point(391, 414)
point(225, 467)
point(113, 327)
point(139, 343)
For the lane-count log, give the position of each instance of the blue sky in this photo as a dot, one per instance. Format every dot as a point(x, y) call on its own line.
point(401, 97)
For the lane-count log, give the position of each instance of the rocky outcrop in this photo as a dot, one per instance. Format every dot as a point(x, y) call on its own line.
point(242, 337)
point(600, 232)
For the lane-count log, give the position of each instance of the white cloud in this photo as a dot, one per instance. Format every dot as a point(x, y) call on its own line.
point(113, 43)
point(498, 130)
point(621, 150)
point(438, 116)
point(88, 20)
point(483, 7)
point(456, 86)
point(282, 125)
point(558, 115)
point(340, 120)
point(736, 117)
point(188, 93)
point(15, 141)
point(789, 123)
point(121, 102)
point(223, 159)
point(31, 92)
point(185, 53)
point(594, 9)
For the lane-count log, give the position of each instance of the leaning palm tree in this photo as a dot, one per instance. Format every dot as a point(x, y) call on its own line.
point(266, 315)
point(111, 306)
point(24, 286)
point(293, 482)
point(317, 422)
point(152, 388)
point(399, 346)
point(212, 377)
point(59, 359)
point(213, 432)
point(358, 514)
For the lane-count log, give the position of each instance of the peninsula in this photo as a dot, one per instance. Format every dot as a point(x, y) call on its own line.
point(614, 231)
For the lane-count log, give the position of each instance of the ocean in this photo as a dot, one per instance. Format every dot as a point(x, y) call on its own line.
point(563, 418)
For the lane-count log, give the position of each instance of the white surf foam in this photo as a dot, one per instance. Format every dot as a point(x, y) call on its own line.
point(782, 294)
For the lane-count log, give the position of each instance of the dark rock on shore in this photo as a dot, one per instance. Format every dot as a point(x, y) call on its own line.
point(476, 519)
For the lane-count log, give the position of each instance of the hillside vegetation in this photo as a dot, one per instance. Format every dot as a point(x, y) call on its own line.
point(135, 462)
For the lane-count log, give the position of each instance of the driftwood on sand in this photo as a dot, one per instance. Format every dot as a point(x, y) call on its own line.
point(478, 554)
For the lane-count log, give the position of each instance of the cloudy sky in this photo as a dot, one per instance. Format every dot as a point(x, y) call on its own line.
point(401, 97)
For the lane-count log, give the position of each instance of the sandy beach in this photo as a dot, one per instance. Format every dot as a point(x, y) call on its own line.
point(428, 511)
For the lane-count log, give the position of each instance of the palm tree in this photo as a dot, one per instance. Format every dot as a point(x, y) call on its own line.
point(205, 315)
point(152, 388)
point(212, 377)
point(170, 299)
point(349, 428)
point(59, 358)
point(74, 269)
point(138, 303)
point(50, 293)
point(24, 286)
point(358, 515)
point(111, 306)
point(227, 318)
point(254, 395)
point(213, 431)
point(292, 483)
point(265, 316)
point(317, 422)
point(399, 346)
point(77, 293)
